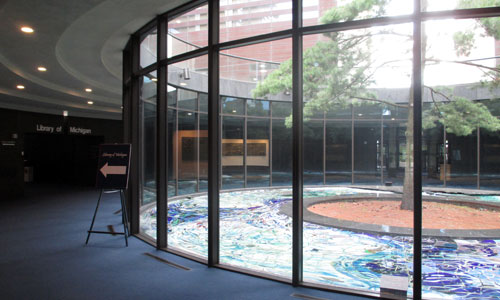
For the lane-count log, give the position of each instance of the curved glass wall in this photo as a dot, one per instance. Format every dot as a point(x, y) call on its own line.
point(341, 214)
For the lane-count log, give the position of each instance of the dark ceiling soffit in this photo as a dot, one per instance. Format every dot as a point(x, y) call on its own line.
point(462, 13)
point(268, 37)
point(176, 12)
point(146, 29)
point(184, 56)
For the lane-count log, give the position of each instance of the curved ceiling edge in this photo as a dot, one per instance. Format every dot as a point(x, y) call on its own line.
point(16, 70)
point(121, 20)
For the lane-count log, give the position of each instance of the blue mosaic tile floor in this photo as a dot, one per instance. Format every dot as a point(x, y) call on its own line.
point(254, 235)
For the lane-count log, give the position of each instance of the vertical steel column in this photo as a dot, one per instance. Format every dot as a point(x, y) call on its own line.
point(478, 158)
point(270, 144)
point(176, 144)
point(324, 148)
point(245, 133)
point(198, 143)
point(352, 144)
point(126, 114)
point(417, 152)
point(213, 133)
point(134, 134)
point(297, 147)
point(161, 136)
point(445, 156)
point(382, 148)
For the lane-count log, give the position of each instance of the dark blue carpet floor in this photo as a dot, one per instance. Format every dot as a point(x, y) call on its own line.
point(43, 256)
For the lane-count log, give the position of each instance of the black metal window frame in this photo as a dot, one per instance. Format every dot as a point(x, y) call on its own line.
point(131, 93)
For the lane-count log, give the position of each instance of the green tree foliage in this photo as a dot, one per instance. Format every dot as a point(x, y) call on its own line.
point(338, 70)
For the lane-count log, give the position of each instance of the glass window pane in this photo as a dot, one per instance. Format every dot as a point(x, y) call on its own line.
point(187, 139)
point(147, 50)
point(460, 68)
point(257, 152)
point(428, 5)
point(334, 11)
point(187, 99)
point(313, 165)
point(147, 108)
point(338, 153)
point(281, 109)
point(203, 101)
point(191, 74)
point(254, 234)
point(233, 106)
point(281, 153)
point(188, 32)
point(246, 18)
point(353, 79)
point(258, 108)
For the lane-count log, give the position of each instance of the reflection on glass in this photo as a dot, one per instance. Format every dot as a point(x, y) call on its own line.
point(232, 159)
point(187, 142)
point(246, 18)
point(313, 150)
point(254, 234)
point(188, 32)
point(258, 108)
point(455, 4)
point(147, 123)
point(233, 106)
point(334, 11)
point(355, 79)
point(338, 153)
point(281, 153)
point(460, 126)
point(257, 152)
point(147, 49)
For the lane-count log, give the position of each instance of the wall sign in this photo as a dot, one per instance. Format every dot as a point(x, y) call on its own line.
point(59, 129)
point(48, 129)
point(113, 166)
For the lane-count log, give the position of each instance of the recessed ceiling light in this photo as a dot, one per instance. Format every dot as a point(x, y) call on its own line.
point(65, 113)
point(154, 79)
point(234, 110)
point(90, 102)
point(88, 90)
point(42, 69)
point(177, 21)
point(20, 87)
point(27, 29)
point(183, 84)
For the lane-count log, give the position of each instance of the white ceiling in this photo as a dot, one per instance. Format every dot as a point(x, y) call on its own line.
point(80, 42)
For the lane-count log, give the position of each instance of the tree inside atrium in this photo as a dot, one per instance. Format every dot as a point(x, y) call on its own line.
point(339, 71)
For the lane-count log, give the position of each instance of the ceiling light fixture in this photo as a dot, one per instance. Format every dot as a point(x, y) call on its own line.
point(20, 87)
point(88, 90)
point(183, 84)
point(90, 102)
point(27, 29)
point(42, 69)
point(154, 79)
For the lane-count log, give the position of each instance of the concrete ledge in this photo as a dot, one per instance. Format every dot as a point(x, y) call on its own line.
point(311, 217)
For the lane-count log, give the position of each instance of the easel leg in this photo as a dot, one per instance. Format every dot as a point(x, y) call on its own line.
point(124, 217)
point(93, 219)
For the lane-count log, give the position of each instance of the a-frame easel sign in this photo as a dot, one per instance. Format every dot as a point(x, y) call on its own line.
point(112, 174)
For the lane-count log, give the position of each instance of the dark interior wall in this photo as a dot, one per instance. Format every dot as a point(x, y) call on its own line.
point(60, 156)
point(11, 161)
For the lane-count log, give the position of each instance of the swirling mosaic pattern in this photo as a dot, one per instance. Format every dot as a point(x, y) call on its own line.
point(254, 235)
